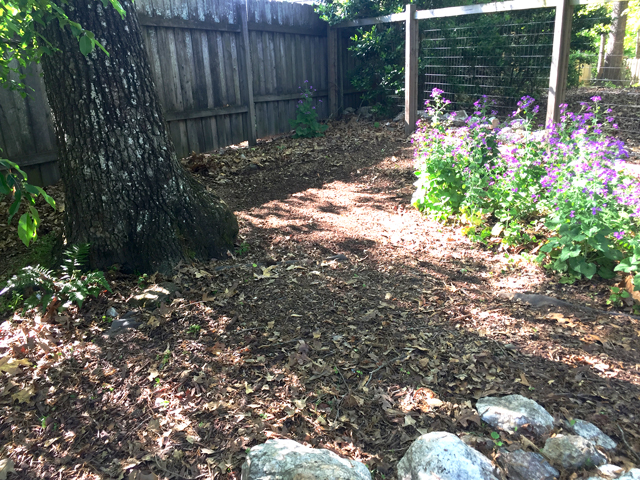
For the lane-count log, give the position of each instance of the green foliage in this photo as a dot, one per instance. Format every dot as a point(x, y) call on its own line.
point(243, 249)
point(495, 436)
point(13, 183)
point(45, 288)
point(143, 280)
point(380, 73)
point(21, 38)
point(617, 295)
point(8, 305)
point(566, 189)
point(194, 329)
point(306, 123)
point(380, 48)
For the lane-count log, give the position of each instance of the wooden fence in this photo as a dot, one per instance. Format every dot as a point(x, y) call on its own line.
point(226, 71)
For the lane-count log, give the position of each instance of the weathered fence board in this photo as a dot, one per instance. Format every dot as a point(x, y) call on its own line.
point(202, 62)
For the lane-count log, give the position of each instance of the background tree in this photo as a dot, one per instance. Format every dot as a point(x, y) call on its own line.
point(612, 70)
point(126, 193)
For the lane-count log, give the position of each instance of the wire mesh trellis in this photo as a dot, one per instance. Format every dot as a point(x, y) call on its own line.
point(610, 76)
point(500, 56)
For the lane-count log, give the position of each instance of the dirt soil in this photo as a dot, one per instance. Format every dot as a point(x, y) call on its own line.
point(343, 320)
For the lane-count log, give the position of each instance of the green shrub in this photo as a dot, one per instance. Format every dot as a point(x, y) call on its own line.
point(568, 179)
point(13, 182)
point(306, 123)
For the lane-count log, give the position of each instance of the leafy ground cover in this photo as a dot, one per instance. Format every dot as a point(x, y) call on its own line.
point(565, 189)
point(359, 353)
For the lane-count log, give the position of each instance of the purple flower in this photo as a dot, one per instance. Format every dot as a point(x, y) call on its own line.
point(596, 98)
point(436, 92)
point(619, 234)
point(572, 214)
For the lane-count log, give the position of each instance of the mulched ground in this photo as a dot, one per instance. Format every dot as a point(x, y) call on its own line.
point(344, 321)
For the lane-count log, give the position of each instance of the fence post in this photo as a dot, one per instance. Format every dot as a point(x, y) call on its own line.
point(244, 13)
point(559, 60)
point(332, 62)
point(410, 70)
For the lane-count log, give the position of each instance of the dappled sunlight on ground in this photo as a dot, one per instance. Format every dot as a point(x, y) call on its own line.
point(343, 320)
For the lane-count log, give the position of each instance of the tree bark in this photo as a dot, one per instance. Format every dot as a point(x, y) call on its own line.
point(612, 66)
point(126, 193)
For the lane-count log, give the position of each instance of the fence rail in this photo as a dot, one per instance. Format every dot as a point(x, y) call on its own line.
point(558, 68)
point(225, 72)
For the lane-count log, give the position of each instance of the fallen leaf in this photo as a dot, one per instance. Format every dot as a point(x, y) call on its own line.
point(153, 373)
point(23, 396)
point(51, 441)
point(10, 365)
point(528, 443)
point(408, 420)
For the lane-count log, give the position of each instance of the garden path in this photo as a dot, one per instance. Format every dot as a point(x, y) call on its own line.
point(360, 353)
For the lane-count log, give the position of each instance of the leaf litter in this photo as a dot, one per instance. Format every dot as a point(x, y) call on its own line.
point(343, 320)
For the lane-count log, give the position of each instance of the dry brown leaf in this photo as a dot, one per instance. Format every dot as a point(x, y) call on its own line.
point(24, 395)
point(10, 365)
point(408, 421)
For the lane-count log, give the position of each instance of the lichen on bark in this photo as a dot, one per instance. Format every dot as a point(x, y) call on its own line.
point(126, 193)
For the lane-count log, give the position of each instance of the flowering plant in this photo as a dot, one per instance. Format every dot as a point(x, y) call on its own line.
point(563, 187)
point(306, 124)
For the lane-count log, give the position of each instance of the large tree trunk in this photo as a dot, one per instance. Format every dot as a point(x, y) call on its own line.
point(125, 191)
point(612, 67)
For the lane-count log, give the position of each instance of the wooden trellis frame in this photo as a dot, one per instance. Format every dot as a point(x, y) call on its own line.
point(411, 17)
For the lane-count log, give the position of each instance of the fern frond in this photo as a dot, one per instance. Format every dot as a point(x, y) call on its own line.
point(74, 258)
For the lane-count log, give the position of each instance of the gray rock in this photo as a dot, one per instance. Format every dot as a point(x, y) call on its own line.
point(443, 456)
point(608, 472)
point(535, 300)
point(154, 296)
point(507, 413)
point(460, 118)
point(539, 135)
point(591, 432)
point(111, 312)
point(349, 111)
point(572, 451)
point(121, 325)
point(420, 114)
point(289, 460)
point(633, 474)
point(365, 112)
point(518, 124)
point(521, 465)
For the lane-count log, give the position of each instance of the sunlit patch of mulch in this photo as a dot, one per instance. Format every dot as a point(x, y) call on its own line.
point(344, 321)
